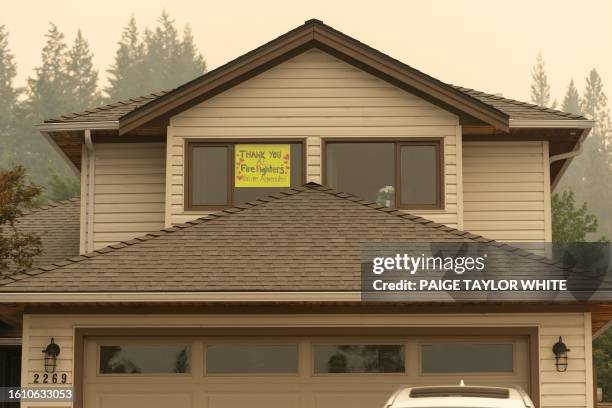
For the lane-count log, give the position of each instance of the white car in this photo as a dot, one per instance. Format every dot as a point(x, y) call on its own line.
point(463, 396)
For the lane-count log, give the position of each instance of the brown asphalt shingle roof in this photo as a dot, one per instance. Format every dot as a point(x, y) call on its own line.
point(58, 226)
point(517, 109)
point(308, 239)
point(111, 112)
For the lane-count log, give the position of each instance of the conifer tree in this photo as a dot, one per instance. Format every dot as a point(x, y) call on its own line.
point(189, 62)
point(49, 89)
point(162, 47)
point(571, 102)
point(59, 86)
point(48, 95)
point(126, 74)
point(8, 96)
point(590, 174)
point(82, 76)
point(160, 61)
point(540, 89)
point(594, 101)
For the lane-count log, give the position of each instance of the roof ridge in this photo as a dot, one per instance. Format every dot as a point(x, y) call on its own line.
point(267, 199)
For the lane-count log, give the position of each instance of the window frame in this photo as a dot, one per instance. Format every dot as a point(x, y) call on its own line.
point(229, 143)
point(437, 142)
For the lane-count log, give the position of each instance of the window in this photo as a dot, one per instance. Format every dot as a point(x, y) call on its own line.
point(144, 359)
point(247, 359)
point(333, 359)
point(394, 174)
point(466, 358)
point(209, 182)
point(224, 174)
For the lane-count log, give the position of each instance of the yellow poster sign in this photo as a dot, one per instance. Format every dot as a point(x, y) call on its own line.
point(262, 165)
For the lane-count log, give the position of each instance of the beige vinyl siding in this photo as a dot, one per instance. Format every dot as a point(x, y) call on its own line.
point(312, 96)
point(506, 190)
point(129, 191)
point(569, 389)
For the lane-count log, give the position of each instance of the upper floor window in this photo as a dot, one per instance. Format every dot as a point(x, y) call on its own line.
point(224, 174)
point(399, 174)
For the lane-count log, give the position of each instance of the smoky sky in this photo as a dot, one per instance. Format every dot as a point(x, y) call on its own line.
point(487, 45)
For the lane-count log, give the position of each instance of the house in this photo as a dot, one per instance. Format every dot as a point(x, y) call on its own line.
point(203, 283)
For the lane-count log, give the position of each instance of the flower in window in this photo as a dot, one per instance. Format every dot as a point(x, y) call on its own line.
point(385, 196)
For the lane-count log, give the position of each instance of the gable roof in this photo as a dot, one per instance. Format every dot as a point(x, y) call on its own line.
point(58, 226)
point(516, 110)
point(490, 109)
point(307, 239)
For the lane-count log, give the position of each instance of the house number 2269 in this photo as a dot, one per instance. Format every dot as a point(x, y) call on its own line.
point(50, 379)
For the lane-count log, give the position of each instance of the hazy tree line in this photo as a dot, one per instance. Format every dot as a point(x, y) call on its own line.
point(66, 81)
point(583, 198)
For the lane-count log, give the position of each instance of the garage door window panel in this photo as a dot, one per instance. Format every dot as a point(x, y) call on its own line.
point(467, 358)
point(138, 359)
point(359, 359)
point(251, 359)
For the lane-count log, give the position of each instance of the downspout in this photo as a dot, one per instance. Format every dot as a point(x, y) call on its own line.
point(91, 162)
point(570, 155)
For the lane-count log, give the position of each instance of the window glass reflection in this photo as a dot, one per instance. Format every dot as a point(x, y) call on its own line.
point(247, 359)
point(144, 359)
point(467, 358)
point(359, 359)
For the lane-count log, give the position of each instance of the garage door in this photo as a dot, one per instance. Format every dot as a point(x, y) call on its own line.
point(288, 372)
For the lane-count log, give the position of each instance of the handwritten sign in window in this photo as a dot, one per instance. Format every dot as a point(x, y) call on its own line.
point(262, 165)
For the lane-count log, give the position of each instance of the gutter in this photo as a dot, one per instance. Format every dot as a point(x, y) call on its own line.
point(91, 162)
point(229, 297)
point(11, 341)
point(47, 128)
point(584, 124)
point(178, 297)
point(75, 126)
point(562, 123)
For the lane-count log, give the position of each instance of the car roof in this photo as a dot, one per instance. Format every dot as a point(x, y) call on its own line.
point(459, 396)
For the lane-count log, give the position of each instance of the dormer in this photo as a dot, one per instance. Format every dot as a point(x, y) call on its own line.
point(320, 107)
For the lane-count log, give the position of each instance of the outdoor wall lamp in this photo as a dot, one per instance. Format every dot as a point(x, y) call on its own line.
point(51, 353)
point(560, 350)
